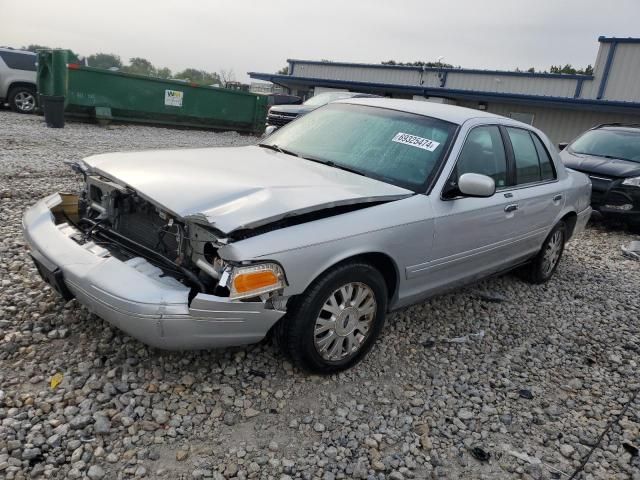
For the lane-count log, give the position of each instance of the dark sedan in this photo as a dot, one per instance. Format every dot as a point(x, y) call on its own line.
point(610, 155)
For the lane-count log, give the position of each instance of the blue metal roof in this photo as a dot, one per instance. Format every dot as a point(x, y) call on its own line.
point(604, 39)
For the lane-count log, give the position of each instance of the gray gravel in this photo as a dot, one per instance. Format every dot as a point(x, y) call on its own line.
point(532, 376)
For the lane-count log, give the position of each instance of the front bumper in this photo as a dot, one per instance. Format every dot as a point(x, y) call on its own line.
point(279, 120)
point(154, 311)
point(614, 200)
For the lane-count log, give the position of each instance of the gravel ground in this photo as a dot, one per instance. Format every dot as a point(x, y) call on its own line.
point(529, 375)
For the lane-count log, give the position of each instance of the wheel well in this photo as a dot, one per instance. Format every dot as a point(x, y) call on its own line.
point(382, 262)
point(21, 84)
point(570, 219)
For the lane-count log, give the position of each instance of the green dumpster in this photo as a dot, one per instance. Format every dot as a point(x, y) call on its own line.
point(109, 95)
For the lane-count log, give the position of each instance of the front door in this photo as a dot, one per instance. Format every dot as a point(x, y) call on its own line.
point(473, 236)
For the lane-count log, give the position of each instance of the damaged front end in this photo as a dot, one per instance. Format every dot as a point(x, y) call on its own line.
point(156, 276)
point(131, 226)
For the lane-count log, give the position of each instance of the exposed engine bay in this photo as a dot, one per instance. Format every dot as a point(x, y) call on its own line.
point(135, 231)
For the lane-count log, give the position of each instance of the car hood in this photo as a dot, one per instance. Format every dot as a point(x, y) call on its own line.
point(238, 188)
point(598, 165)
point(297, 109)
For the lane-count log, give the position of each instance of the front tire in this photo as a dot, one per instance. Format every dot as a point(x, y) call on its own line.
point(336, 321)
point(544, 265)
point(22, 99)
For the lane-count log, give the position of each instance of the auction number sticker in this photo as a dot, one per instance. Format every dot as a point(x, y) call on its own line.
point(173, 98)
point(412, 140)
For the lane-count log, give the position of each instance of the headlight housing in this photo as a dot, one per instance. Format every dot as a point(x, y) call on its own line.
point(633, 181)
point(255, 280)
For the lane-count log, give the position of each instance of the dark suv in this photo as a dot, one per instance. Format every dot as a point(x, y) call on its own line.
point(610, 155)
point(18, 80)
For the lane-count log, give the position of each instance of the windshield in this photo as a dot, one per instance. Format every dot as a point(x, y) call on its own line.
point(324, 98)
point(400, 148)
point(613, 143)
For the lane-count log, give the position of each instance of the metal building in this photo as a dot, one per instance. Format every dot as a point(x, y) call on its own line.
point(559, 104)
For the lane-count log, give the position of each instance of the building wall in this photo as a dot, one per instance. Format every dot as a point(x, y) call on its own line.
point(558, 85)
point(560, 125)
point(590, 87)
point(396, 76)
point(623, 82)
point(511, 84)
point(548, 112)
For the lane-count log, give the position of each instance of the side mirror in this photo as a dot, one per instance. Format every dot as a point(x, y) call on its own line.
point(476, 185)
point(269, 130)
point(562, 145)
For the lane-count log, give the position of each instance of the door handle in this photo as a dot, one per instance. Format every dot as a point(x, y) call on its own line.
point(511, 208)
point(557, 198)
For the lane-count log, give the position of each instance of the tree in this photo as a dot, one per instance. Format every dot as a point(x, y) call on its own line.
point(163, 72)
point(283, 71)
point(200, 77)
point(531, 70)
point(140, 66)
point(568, 68)
point(420, 64)
point(33, 48)
point(104, 60)
point(227, 76)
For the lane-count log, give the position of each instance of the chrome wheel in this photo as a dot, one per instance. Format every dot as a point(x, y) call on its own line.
point(344, 321)
point(552, 252)
point(25, 101)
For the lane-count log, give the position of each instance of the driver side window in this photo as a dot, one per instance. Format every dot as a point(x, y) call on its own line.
point(483, 153)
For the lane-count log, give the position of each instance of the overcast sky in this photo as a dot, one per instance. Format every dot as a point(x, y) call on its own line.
point(245, 35)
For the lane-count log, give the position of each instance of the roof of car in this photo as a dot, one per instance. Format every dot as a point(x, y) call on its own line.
point(448, 113)
point(628, 127)
point(15, 50)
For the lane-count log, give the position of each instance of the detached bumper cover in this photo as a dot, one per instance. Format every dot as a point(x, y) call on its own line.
point(155, 312)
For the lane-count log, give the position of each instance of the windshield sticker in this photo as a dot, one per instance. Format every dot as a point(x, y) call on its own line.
point(412, 140)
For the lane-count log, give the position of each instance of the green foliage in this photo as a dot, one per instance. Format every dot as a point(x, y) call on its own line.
point(283, 71)
point(33, 48)
point(140, 66)
point(569, 69)
point(420, 64)
point(104, 60)
point(200, 77)
point(163, 72)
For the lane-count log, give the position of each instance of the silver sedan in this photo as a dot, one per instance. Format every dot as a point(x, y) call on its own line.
point(357, 209)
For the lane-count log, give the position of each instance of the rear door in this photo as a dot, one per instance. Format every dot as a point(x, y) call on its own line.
point(540, 195)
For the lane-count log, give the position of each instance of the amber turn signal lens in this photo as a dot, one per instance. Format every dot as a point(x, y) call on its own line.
point(247, 282)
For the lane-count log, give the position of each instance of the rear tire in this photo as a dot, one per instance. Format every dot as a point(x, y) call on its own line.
point(544, 265)
point(336, 321)
point(22, 99)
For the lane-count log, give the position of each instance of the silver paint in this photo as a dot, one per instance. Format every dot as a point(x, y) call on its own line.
point(433, 243)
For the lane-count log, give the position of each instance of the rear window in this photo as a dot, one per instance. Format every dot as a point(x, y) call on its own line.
point(19, 61)
point(533, 163)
